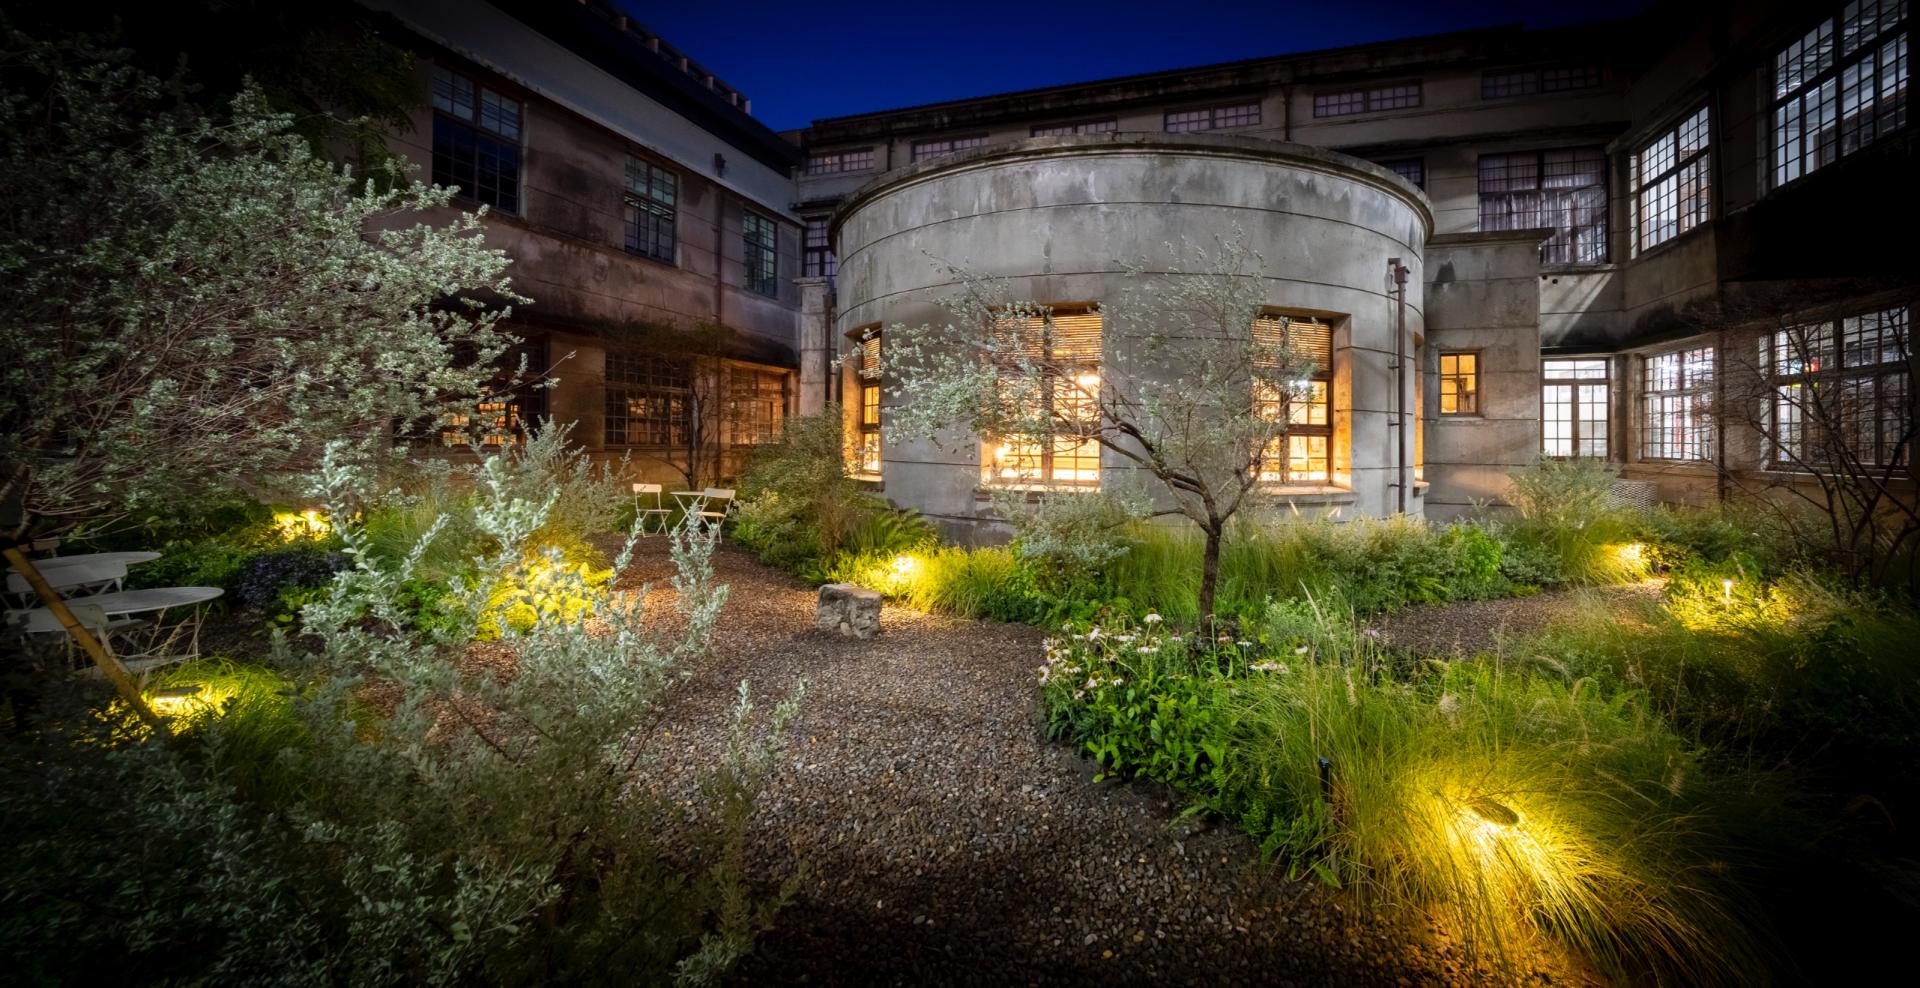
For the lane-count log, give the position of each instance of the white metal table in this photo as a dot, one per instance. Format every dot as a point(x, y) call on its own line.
point(123, 608)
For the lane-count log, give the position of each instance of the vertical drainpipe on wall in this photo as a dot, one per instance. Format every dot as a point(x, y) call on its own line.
point(1398, 272)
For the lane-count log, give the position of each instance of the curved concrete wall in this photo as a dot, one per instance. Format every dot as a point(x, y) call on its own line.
point(1057, 217)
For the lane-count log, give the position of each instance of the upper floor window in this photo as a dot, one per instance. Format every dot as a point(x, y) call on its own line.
point(1412, 169)
point(922, 150)
point(1066, 346)
point(1529, 82)
point(476, 140)
point(1213, 118)
point(1565, 190)
point(1460, 383)
point(1105, 125)
point(1675, 394)
point(648, 202)
point(1304, 453)
point(1672, 179)
point(760, 252)
point(1840, 391)
point(1573, 407)
point(817, 260)
point(1396, 97)
point(831, 162)
point(1840, 87)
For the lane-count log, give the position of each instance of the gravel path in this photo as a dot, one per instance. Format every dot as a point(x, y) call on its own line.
point(950, 843)
point(1473, 627)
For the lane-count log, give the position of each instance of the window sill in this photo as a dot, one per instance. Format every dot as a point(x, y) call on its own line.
point(1033, 491)
point(1671, 242)
point(1308, 493)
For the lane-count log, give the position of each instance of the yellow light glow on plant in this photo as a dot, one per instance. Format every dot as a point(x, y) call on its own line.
point(192, 699)
point(1726, 591)
point(904, 566)
point(1632, 554)
point(296, 525)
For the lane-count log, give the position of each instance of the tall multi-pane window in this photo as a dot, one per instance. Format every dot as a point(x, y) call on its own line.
point(1573, 407)
point(1305, 453)
point(1675, 396)
point(1565, 190)
point(648, 397)
point(816, 256)
point(1412, 169)
point(1840, 389)
point(866, 442)
point(649, 198)
point(833, 162)
point(1401, 96)
point(1672, 179)
point(760, 250)
point(1530, 82)
point(476, 140)
point(756, 405)
point(1067, 345)
point(1104, 125)
point(1840, 87)
point(1460, 383)
point(922, 150)
point(1213, 118)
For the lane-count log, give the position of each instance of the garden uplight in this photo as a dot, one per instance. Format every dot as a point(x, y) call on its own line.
point(903, 566)
point(1726, 591)
point(296, 525)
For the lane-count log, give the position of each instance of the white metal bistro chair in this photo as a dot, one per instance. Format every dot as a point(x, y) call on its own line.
point(716, 505)
point(656, 516)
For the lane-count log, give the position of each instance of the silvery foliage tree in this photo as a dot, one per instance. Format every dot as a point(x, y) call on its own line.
point(1177, 396)
point(193, 302)
point(498, 826)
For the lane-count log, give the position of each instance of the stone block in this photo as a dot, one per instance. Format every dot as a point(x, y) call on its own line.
point(850, 610)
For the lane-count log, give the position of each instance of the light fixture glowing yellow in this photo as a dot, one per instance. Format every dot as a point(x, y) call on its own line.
point(296, 525)
point(1726, 591)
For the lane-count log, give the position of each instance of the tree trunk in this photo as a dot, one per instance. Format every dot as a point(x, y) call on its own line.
point(1209, 576)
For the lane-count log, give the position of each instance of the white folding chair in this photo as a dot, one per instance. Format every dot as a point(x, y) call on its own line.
point(659, 509)
point(78, 579)
point(721, 496)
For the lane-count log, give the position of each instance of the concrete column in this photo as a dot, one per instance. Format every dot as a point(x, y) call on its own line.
point(815, 312)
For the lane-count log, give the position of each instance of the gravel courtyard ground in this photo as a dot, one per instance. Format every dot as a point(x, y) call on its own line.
point(950, 843)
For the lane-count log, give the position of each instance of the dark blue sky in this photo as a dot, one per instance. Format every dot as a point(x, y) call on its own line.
point(800, 60)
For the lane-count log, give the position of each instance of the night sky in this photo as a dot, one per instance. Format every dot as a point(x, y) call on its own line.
point(801, 60)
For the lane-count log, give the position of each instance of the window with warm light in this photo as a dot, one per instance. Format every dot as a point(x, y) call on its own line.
point(647, 399)
point(1067, 344)
point(865, 448)
point(1676, 390)
point(1840, 87)
point(1672, 179)
point(1460, 383)
point(1304, 454)
point(1843, 379)
point(1573, 407)
point(756, 405)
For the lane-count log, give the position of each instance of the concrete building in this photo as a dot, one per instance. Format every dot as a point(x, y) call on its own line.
point(647, 214)
point(1611, 217)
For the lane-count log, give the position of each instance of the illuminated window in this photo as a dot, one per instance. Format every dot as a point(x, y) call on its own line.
point(760, 253)
point(499, 425)
point(833, 162)
point(649, 198)
point(1213, 118)
point(1840, 390)
point(1347, 102)
point(1304, 454)
point(1672, 180)
point(1564, 190)
point(817, 260)
point(922, 150)
point(476, 141)
point(866, 442)
point(1573, 407)
point(1065, 345)
point(647, 399)
point(756, 405)
point(1105, 125)
point(1528, 82)
point(1676, 390)
point(1459, 384)
point(1412, 169)
point(1840, 87)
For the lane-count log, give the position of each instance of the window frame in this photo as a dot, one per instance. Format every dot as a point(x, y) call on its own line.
point(1100, 125)
point(1699, 160)
point(1829, 144)
point(927, 149)
point(1285, 405)
point(1576, 382)
point(748, 400)
point(841, 161)
point(1378, 98)
point(762, 278)
point(817, 259)
point(1534, 80)
point(1215, 112)
point(1568, 238)
point(635, 202)
point(1048, 451)
point(445, 120)
point(1396, 165)
point(663, 389)
point(1457, 376)
point(867, 454)
point(1831, 368)
point(1688, 389)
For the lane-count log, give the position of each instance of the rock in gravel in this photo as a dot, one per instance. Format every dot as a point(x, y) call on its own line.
point(852, 611)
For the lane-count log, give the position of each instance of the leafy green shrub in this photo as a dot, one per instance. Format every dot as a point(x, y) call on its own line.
point(1068, 536)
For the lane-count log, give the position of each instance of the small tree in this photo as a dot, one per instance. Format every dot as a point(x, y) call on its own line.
point(195, 303)
point(1193, 387)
